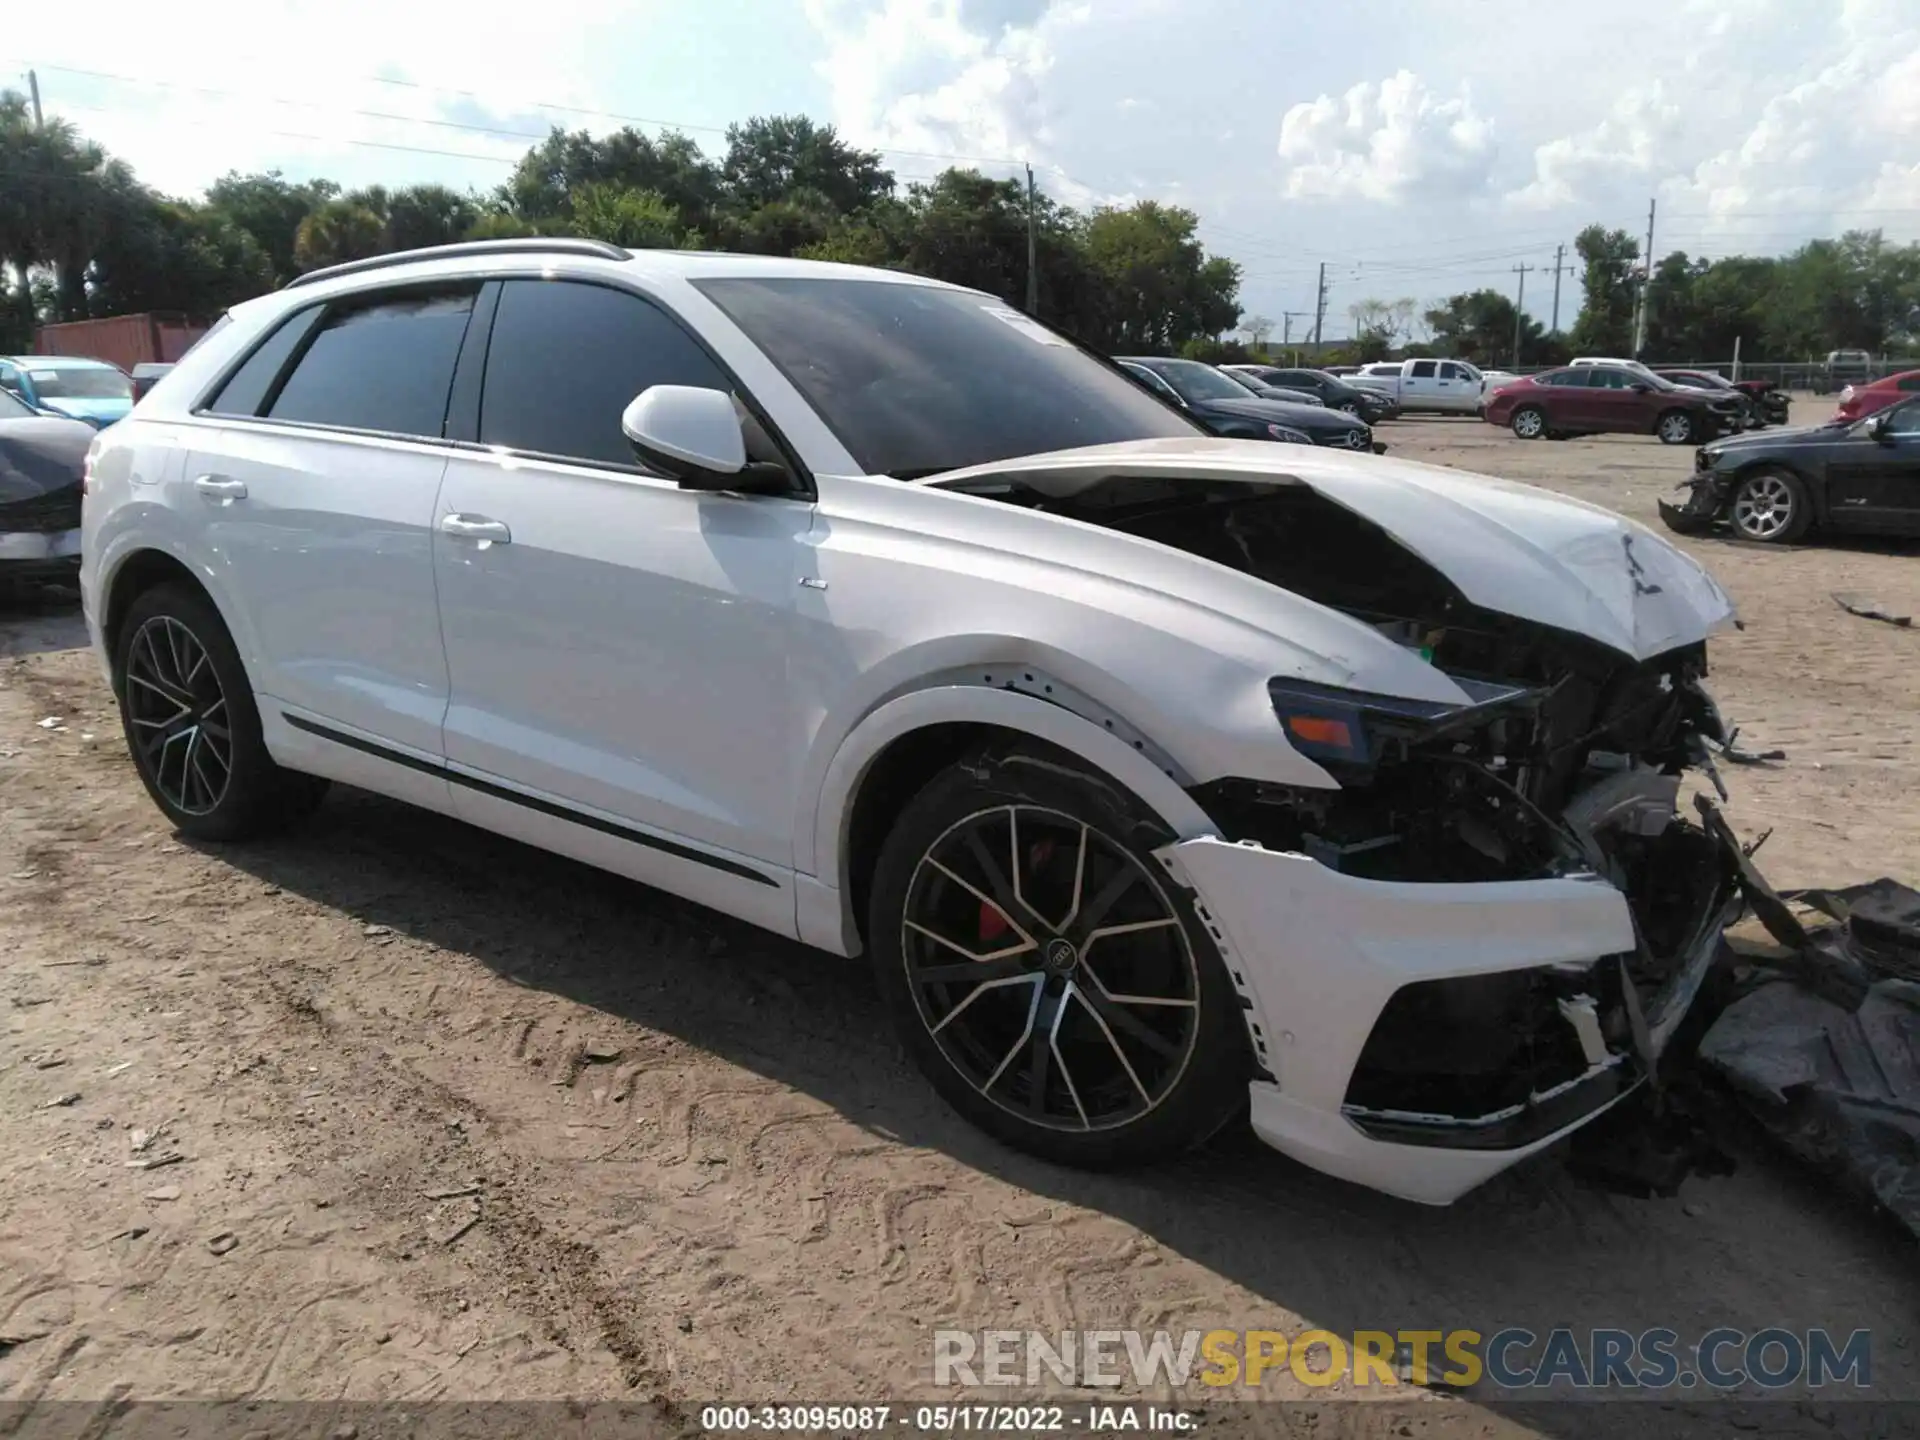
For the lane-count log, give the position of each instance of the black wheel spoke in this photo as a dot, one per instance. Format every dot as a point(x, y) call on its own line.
point(1116, 1017)
point(998, 885)
point(973, 972)
point(1105, 898)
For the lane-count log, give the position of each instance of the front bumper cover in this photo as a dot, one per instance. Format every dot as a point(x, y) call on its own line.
point(1317, 956)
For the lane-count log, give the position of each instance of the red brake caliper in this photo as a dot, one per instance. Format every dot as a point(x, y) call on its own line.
point(992, 923)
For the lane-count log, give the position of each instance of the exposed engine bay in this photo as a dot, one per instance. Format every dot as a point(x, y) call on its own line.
point(1569, 762)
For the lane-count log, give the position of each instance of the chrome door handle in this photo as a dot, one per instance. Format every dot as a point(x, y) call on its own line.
point(475, 527)
point(219, 487)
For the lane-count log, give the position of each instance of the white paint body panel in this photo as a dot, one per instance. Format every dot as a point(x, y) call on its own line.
point(628, 649)
point(702, 681)
point(1322, 953)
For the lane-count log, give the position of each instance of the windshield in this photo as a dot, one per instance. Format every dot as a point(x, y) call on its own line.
point(916, 379)
point(1196, 382)
point(12, 407)
point(87, 382)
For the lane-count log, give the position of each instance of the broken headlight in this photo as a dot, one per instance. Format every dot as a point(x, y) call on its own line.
point(1324, 722)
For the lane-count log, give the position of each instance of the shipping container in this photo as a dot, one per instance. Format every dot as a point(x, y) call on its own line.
point(123, 340)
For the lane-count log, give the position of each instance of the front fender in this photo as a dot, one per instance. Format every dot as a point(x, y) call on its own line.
point(820, 837)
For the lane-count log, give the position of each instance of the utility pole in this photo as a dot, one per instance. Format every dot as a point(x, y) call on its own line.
point(1646, 285)
point(1559, 252)
point(1519, 310)
point(33, 88)
point(1033, 267)
point(1319, 308)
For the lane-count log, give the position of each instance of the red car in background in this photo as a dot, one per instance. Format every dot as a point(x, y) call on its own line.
point(1602, 399)
point(1859, 400)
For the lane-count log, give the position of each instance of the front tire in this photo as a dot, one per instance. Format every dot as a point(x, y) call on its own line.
point(1770, 507)
point(1675, 427)
point(1048, 978)
point(191, 725)
point(1529, 422)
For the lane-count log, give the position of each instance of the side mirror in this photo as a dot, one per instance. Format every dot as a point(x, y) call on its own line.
point(1640, 387)
point(1880, 427)
point(690, 433)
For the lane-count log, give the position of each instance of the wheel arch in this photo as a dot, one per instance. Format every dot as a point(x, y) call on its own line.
point(138, 572)
point(891, 755)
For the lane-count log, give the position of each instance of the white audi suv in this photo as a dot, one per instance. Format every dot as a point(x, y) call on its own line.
point(1161, 776)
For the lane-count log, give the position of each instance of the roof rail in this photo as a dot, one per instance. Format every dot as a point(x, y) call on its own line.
point(517, 245)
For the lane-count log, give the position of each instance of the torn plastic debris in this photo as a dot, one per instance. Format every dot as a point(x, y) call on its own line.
point(1825, 1049)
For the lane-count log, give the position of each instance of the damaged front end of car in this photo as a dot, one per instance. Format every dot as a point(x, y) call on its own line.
point(1481, 919)
point(1707, 494)
point(1571, 771)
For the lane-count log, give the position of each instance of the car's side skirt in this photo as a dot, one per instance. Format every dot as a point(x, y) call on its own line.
point(750, 890)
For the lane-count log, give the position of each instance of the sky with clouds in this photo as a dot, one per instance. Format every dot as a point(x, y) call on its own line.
point(1418, 147)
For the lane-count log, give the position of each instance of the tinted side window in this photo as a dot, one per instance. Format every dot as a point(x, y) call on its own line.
point(384, 364)
point(1452, 372)
point(1423, 369)
point(246, 389)
point(1910, 382)
point(566, 359)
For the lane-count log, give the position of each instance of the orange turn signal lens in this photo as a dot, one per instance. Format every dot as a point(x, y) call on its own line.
point(1318, 730)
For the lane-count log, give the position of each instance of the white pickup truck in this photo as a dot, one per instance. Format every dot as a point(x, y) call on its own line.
point(1443, 387)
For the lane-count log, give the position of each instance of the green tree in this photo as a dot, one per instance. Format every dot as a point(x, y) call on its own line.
point(543, 185)
point(772, 158)
point(1478, 326)
point(422, 215)
point(499, 225)
point(636, 219)
point(337, 231)
point(270, 208)
point(1605, 324)
point(1156, 286)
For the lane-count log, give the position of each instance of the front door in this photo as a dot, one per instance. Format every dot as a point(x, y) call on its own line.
point(315, 492)
point(617, 646)
point(1609, 401)
point(1458, 389)
point(1874, 483)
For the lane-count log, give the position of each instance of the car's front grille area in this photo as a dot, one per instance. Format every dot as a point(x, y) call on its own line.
point(43, 514)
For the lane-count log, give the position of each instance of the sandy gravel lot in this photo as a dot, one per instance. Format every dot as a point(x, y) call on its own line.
point(474, 1122)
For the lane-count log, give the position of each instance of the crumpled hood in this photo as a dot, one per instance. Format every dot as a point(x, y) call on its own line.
point(1511, 548)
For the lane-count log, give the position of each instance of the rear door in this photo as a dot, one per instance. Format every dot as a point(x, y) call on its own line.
point(314, 475)
point(1874, 484)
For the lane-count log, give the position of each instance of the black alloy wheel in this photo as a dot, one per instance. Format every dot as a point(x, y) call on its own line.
point(177, 712)
point(191, 723)
point(1048, 976)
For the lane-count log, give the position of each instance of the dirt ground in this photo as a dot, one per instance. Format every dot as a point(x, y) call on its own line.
point(393, 1109)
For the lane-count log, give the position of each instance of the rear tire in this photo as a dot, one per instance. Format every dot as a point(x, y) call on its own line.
point(1676, 427)
point(1770, 507)
point(1529, 422)
point(1034, 866)
point(187, 708)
